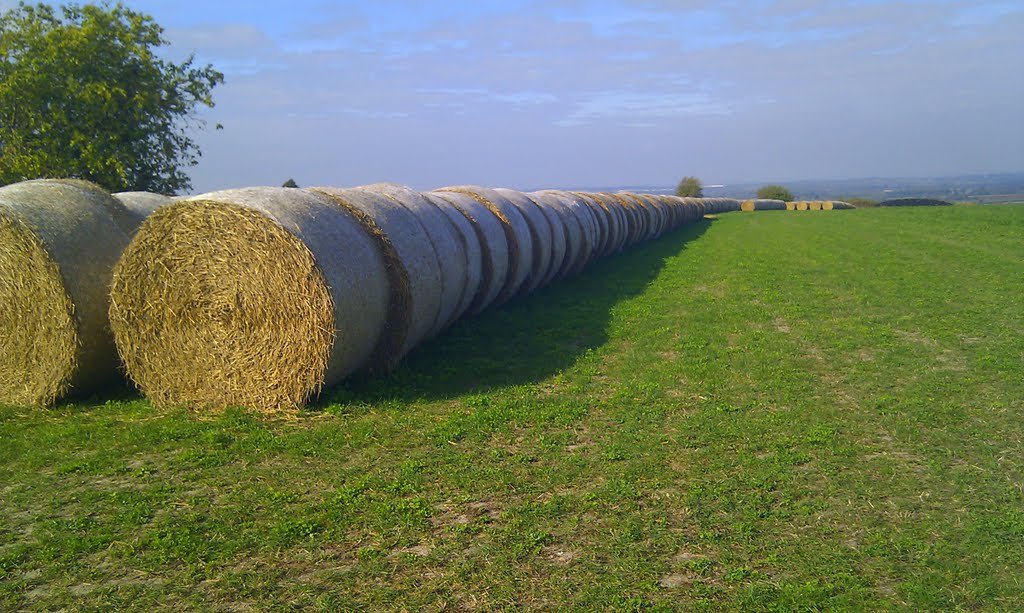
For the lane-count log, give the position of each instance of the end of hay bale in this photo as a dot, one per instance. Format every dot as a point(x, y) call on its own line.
point(58, 249)
point(252, 297)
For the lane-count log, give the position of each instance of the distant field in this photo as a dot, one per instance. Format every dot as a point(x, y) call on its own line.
point(767, 411)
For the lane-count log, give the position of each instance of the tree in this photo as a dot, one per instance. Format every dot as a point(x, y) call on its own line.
point(690, 187)
point(775, 192)
point(84, 95)
point(290, 183)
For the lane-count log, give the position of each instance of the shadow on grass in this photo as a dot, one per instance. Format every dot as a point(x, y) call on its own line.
point(525, 340)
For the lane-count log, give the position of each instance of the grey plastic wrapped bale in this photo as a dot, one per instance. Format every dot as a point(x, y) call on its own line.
point(468, 243)
point(494, 249)
point(762, 204)
point(254, 297)
point(517, 236)
point(616, 221)
point(444, 237)
point(575, 238)
point(603, 233)
point(541, 233)
point(587, 222)
point(141, 205)
point(411, 265)
point(59, 242)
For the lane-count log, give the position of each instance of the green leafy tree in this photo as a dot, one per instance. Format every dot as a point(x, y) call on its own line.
point(290, 183)
point(84, 95)
point(775, 192)
point(690, 187)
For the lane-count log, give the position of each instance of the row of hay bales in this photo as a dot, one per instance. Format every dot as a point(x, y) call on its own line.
point(261, 297)
point(798, 205)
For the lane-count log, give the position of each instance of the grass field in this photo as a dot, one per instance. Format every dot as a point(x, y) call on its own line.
point(766, 411)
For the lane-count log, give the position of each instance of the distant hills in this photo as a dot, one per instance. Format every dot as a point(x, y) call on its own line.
point(988, 188)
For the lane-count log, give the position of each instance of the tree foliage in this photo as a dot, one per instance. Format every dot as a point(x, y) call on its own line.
point(84, 95)
point(690, 187)
point(775, 192)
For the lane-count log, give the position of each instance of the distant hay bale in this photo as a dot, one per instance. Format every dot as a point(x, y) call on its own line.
point(650, 216)
point(443, 237)
point(814, 205)
point(790, 206)
point(660, 214)
point(254, 297)
point(141, 204)
point(617, 221)
point(494, 249)
point(588, 222)
point(827, 205)
point(767, 204)
point(575, 238)
point(801, 205)
point(633, 218)
point(641, 219)
point(541, 233)
point(600, 217)
point(59, 241)
point(468, 243)
point(411, 265)
point(517, 236)
point(840, 205)
point(747, 205)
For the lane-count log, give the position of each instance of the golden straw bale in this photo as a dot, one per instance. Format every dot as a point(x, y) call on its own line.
point(255, 297)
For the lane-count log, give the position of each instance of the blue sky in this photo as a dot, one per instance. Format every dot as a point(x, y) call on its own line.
point(567, 93)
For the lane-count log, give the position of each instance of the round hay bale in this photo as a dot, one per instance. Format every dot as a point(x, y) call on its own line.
point(141, 205)
point(468, 243)
point(541, 233)
point(254, 297)
point(791, 206)
point(616, 220)
point(650, 206)
point(814, 205)
point(517, 235)
point(58, 245)
point(491, 236)
point(603, 235)
point(588, 224)
point(649, 222)
point(747, 205)
point(827, 205)
point(763, 204)
point(675, 210)
point(573, 235)
point(635, 218)
point(411, 265)
point(801, 205)
point(444, 237)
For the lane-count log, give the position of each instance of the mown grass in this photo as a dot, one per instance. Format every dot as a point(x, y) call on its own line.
point(769, 411)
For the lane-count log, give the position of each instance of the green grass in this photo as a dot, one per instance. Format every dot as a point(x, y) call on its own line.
point(770, 411)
